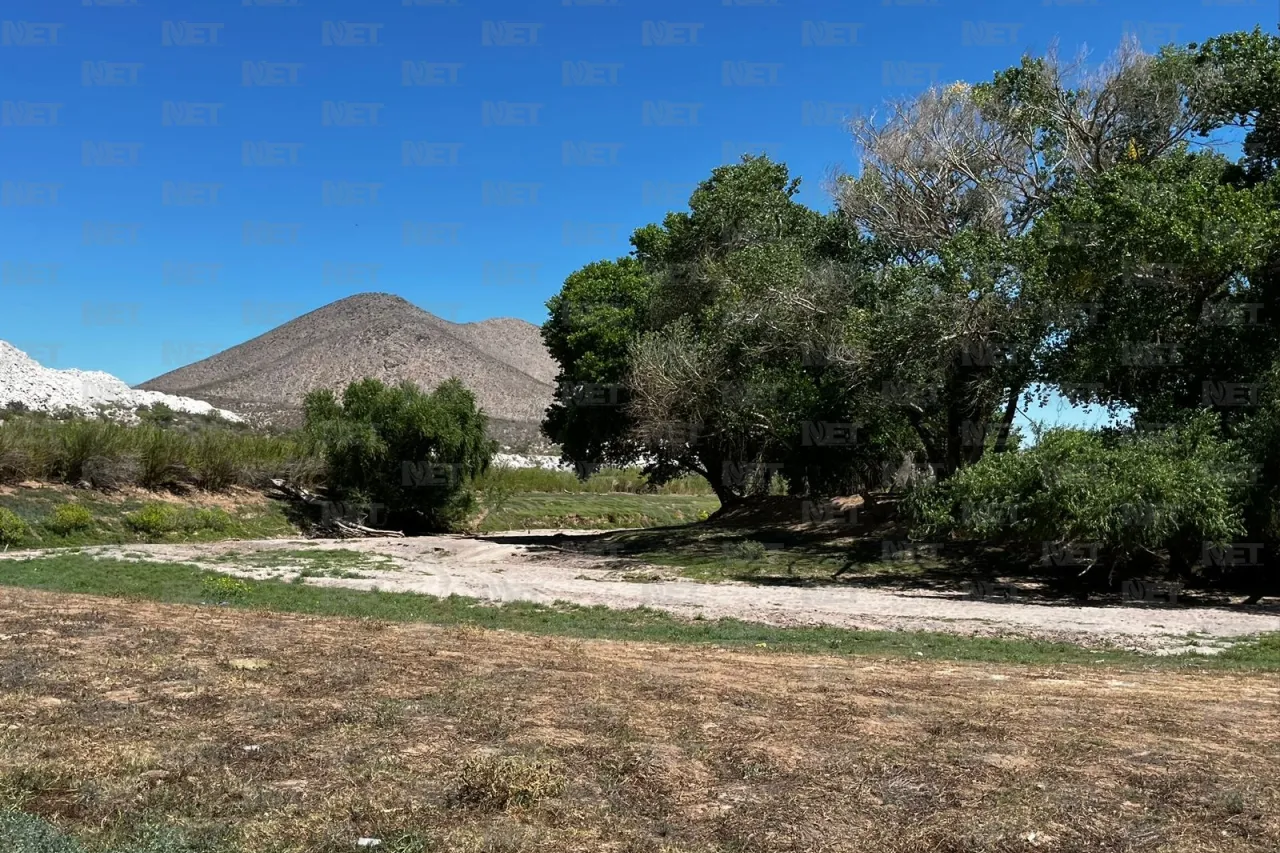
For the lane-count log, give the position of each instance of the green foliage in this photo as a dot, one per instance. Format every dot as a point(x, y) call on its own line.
point(210, 455)
point(1124, 494)
point(416, 454)
point(12, 528)
point(69, 518)
point(223, 587)
point(155, 519)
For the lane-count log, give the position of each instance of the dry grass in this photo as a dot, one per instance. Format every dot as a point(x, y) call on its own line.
point(116, 714)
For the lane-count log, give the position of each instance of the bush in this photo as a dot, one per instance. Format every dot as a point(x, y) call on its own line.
point(223, 588)
point(500, 782)
point(154, 519)
point(12, 528)
point(76, 442)
point(1120, 495)
point(69, 518)
point(211, 519)
point(417, 454)
point(161, 456)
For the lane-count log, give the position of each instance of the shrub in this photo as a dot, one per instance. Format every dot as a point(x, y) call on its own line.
point(1121, 495)
point(76, 442)
point(69, 518)
point(500, 782)
point(417, 454)
point(12, 528)
point(154, 519)
point(223, 587)
point(212, 519)
point(215, 465)
point(161, 456)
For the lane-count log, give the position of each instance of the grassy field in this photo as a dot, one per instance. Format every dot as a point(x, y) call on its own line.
point(118, 518)
point(186, 584)
point(176, 729)
point(595, 511)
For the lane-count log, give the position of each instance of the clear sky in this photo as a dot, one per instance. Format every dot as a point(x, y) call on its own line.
point(179, 177)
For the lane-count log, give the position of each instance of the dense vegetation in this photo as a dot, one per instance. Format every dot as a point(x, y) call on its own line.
point(414, 453)
point(1108, 234)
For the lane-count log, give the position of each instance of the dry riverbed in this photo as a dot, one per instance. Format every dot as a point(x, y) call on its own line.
point(517, 567)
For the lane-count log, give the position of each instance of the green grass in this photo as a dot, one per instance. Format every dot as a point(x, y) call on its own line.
point(186, 584)
point(313, 563)
point(607, 480)
point(137, 520)
point(587, 511)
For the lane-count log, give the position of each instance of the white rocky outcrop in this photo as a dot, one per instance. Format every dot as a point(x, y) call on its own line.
point(45, 389)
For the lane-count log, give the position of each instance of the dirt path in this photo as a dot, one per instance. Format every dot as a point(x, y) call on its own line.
point(495, 571)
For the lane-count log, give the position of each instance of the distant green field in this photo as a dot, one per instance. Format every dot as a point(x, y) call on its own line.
point(588, 511)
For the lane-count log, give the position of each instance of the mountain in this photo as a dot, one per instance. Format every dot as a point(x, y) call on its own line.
point(380, 335)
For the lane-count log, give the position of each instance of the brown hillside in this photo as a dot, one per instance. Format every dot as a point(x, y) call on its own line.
point(379, 335)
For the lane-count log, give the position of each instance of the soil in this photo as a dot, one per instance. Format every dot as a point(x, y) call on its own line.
point(515, 567)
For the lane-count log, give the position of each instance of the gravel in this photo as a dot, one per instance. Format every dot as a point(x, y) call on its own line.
point(44, 389)
point(495, 568)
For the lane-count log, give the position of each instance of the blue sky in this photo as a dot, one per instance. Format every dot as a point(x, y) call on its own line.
point(179, 177)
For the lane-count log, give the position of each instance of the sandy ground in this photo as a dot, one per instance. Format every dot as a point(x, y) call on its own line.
point(495, 570)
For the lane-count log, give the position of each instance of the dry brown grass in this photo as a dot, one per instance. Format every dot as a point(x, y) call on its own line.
point(466, 740)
